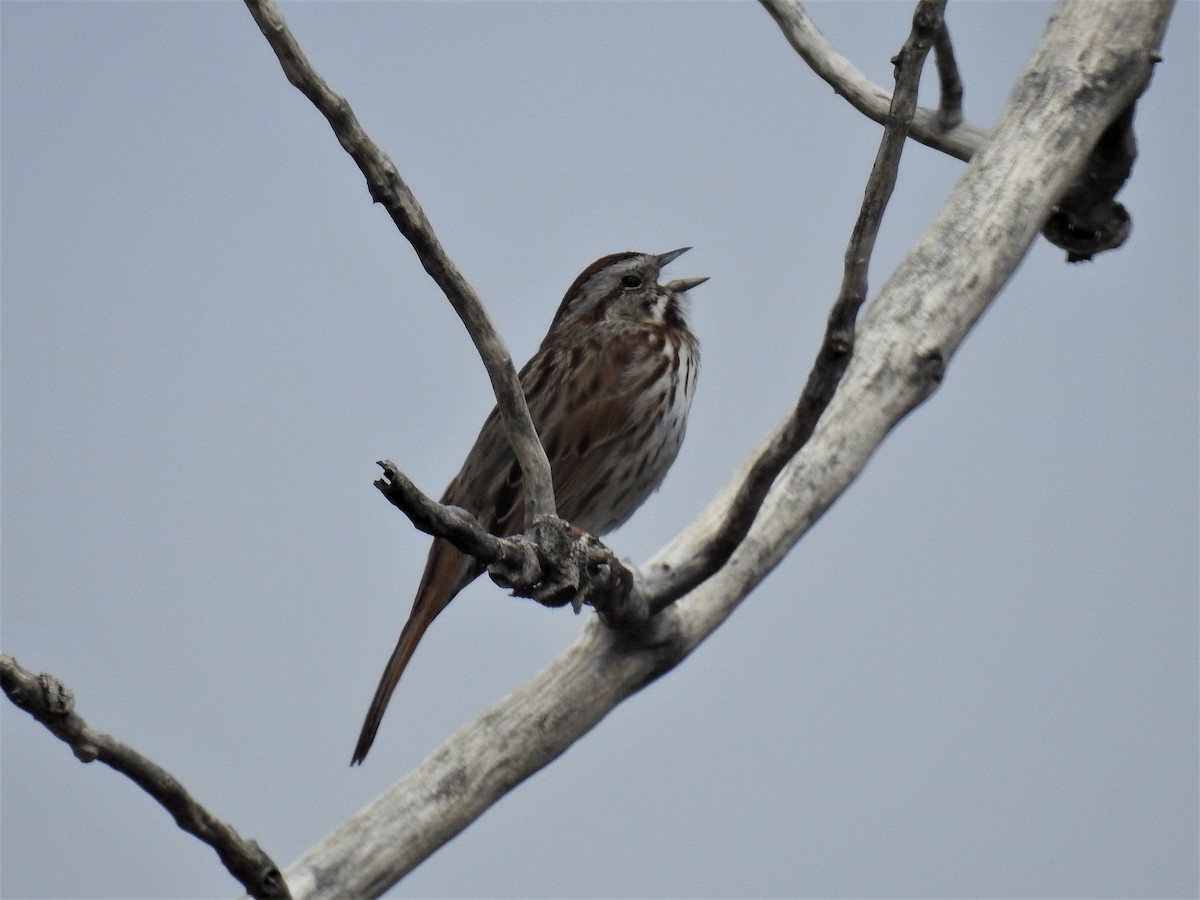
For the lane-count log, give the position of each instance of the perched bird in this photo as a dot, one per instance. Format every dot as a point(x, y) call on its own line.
point(609, 391)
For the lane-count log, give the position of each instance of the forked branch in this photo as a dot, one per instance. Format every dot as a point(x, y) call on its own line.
point(1061, 104)
point(866, 96)
point(1087, 219)
point(553, 563)
point(514, 562)
point(1091, 64)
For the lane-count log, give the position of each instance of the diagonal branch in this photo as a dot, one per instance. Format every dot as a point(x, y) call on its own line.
point(46, 699)
point(838, 344)
point(390, 190)
point(863, 94)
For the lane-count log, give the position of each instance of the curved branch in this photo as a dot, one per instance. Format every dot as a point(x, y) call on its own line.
point(838, 344)
point(390, 190)
point(46, 699)
point(863, 94)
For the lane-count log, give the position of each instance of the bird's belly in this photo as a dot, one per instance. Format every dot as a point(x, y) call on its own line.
point(638, 462)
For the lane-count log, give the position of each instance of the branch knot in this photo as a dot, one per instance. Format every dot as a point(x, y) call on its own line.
point(570, 566)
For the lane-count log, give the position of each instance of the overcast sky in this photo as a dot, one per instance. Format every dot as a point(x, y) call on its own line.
point(976, 676)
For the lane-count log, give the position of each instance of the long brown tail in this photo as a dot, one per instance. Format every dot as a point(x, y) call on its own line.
point(447, 571)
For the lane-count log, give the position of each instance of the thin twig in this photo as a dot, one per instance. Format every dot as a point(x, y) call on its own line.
point(949, 114)
point(838, 345)
point(452, 523)
point(46, 699)
point(390, 190)
point(866, 96)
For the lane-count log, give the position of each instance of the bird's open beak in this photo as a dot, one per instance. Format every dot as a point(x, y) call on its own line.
point(682, 284)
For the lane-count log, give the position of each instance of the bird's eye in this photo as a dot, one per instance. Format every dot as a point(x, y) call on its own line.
point(631, 281)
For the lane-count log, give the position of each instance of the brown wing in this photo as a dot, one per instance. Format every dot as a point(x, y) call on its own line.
point(577, 406)
point(582, 420)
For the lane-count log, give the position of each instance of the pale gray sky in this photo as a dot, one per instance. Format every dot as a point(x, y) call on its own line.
point(977, 676)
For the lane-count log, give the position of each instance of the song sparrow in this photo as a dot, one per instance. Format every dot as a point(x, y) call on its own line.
point(609, 391)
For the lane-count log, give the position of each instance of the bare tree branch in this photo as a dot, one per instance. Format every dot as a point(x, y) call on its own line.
point(551, 564)
point(867, 97)
point(1093, 58)
point(949, 114)
point(1086, 221)
point(456, 525)
point(390, 190)
point(1092, 61)
point(838, 344)
point(486, 759)
point(832, 360)
point(46, 699)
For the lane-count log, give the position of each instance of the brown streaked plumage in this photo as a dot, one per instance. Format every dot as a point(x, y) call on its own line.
point(609, 391)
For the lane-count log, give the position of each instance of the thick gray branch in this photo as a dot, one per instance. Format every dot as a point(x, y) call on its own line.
point(482, 762)
point(863, 94)
point(389, 189)
point(1094, 57)
point(1093, 60)
point(46, 699)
